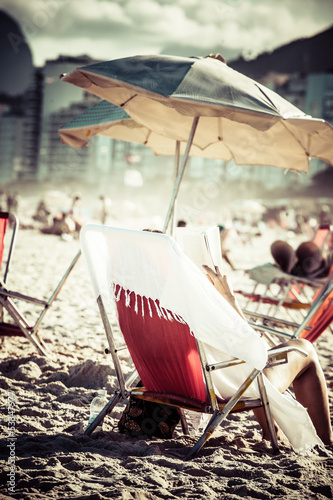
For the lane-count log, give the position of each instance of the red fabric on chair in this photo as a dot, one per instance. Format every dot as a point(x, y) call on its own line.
point(322, 318)
point(320, 321)
point(3, 227)
point(321, 236)
point(164, 352)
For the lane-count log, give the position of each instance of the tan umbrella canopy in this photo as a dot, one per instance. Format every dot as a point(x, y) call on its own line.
point(108, 120)
point(210, 105)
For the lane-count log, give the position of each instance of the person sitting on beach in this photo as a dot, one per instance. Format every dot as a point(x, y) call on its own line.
point(42, 212)
point(61, 224)
point(303, 373)
point(307, 261)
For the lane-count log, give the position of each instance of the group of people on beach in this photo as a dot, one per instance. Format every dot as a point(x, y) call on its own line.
point(64, 222)
point(68, 222)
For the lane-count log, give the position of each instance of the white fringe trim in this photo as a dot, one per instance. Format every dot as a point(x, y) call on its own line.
point(145, 305)
point(127, 298)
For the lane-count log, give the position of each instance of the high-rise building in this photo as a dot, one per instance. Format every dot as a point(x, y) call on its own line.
point(59, 162)
point(319, 96)
point(57, 99)
point(11, 139)
point(32, 127)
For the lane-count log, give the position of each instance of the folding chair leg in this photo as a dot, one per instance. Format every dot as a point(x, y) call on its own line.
point(269, 420)
point(57, 290)
point(30, 335)
point(214, 422)
point(220, 415)
point(21, 326)
point(113, 350)
point(100, 417)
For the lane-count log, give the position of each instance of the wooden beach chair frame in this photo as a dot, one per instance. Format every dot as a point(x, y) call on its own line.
point(20, 326)
point(212, 405)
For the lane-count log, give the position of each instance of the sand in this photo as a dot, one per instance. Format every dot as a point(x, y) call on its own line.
point(49, 399)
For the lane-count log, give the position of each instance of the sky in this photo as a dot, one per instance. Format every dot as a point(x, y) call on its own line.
point(109, 29)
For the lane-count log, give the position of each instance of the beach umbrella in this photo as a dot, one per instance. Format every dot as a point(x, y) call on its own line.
point(108, 120)
point(208, 104)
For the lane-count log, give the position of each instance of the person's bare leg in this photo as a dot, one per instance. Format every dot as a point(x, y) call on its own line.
point(308, 381)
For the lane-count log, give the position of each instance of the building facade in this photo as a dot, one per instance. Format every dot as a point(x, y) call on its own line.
point(30, 147)
point(12, 125)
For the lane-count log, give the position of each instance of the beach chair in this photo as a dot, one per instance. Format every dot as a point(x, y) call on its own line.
point(317, 320)
point(189, 347)
point(281, 290)
point(19, 325)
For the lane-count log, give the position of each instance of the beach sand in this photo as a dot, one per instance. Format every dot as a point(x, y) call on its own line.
point(51, 397)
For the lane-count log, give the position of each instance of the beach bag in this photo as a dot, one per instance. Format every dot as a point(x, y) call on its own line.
point(144, 418)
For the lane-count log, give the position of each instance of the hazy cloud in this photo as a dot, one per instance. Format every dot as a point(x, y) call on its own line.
point(109, 29)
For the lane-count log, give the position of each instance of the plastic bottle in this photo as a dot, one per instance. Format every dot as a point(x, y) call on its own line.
point(96, 406)
point(196, 421)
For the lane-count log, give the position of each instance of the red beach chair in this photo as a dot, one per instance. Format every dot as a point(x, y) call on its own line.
point(174, 364)
point(318, 319)
point(19, 325)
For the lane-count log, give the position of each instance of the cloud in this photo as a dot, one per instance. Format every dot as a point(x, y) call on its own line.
point(116, 28)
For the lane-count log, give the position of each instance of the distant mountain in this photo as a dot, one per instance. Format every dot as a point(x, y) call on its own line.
point(303, 56)
point(16, 65)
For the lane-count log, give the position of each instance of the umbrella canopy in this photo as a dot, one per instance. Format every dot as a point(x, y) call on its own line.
point(238, 117)
point(109, 120)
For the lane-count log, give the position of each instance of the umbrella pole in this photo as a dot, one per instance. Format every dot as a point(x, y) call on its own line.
point(177, 155)
point(180, 173)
